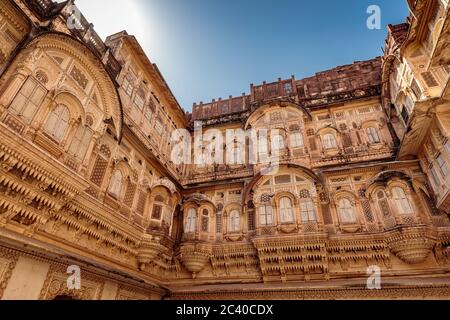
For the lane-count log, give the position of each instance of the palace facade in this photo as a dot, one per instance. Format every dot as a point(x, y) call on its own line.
point(87, 178)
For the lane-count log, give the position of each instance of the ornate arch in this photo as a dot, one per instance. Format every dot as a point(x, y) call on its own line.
point(256, 115)
point(345, 194)
point(165, 183)
point(73, 103)
point(231, 207)
point(371, 123)
point(398, 183)
point(384, 177)
point(68, 45)
point(328, 129)
point(124, 168)
point(284, 194)
point(197, 200)
point(294, 167)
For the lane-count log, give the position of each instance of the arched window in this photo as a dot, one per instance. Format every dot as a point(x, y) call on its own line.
point(286, 210)
point(372, 135)
point(235, 221)
point(265, 215)
point(329, 141)
point(80, 142)
point(28, 100)
point(191, 221)
point(297, 140)
point(205, 220)
point(58, 123)
point(347, 211)
point(308, 210)
point(115, 186)
point(278, 142)
point(401, 201)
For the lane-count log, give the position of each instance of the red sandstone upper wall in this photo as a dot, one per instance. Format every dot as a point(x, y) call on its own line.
point(328, 86)
point(358, 75)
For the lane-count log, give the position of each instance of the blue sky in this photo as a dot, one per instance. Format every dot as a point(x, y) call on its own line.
point(215, 48)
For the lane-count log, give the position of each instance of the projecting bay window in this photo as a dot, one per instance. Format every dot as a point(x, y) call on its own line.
point(28, 100)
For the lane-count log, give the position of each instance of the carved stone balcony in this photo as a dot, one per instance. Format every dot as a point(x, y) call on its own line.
point(149, 249)
point(195, 256)
point(412, 244)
